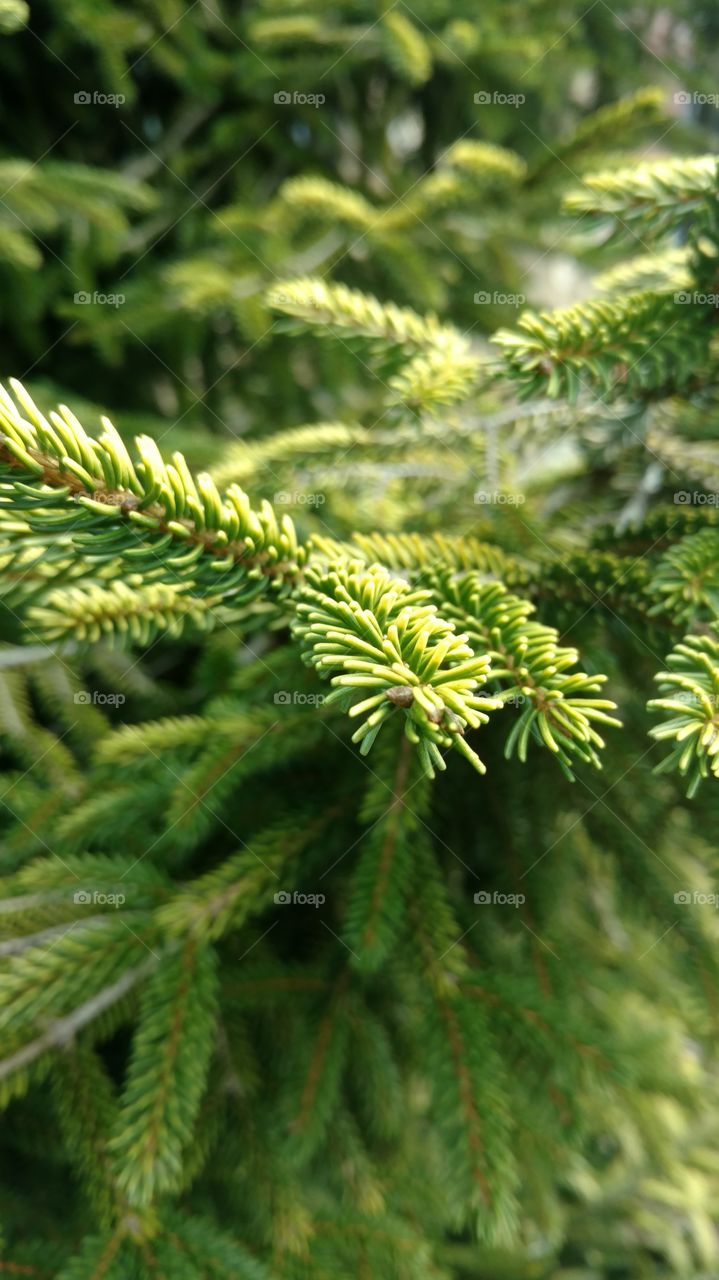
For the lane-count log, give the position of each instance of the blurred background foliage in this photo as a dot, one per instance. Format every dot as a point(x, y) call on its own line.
point(199, 189)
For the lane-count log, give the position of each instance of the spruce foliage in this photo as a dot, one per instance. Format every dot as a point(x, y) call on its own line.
point(358, 719)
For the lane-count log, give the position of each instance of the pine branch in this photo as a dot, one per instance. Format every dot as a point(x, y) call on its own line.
point(129, 610)
point(444, 368)
point(84, 1102)
point(467, 172)
point(385, 640)
point(171, 1052)
point(247, 460)
point(415, 552)
point(154, 514)
point(381, 879)
point(654, 198)
point(334, 306)
point(690, 690)
point(602, 129)
point(669, 269)
point(65, 1028)
point(215, 1253)
point(406, 47)
point(319, 1077)
point(334, 204)
point(642, 342)
point(101, 1257)
point(226, 897)
point(686, 579)
point(532, 669)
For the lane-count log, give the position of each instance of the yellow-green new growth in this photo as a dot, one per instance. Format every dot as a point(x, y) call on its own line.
point(372, 634)
point(690, 690)
point(442, 367)
point(150, 514)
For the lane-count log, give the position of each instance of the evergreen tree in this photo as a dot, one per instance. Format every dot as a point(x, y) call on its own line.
point(359, 781)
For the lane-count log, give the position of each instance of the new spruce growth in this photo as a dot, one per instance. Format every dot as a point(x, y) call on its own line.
point(325, 949)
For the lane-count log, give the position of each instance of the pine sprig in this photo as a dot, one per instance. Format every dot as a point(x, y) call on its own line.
point(639, 342)
point(153, 514)
point(557, 706)
point(387, 855)
point(166, 1079)
point(128, 610)
point(372, 634)
point(690, 693)
point(686, 579)
point(442, 367)
point(334, 306)
point(653, 198)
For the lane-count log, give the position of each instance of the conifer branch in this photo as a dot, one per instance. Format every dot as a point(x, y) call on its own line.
point(381, 880)
point(534, 670)
point(152, 512)
point(642, 342)
point(129, 610)
point(686, 579)
point(444, 368)
point(690, 693)
point(163, 1090)
point(62, 1030)
point(378, 639)
point(654, 197)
